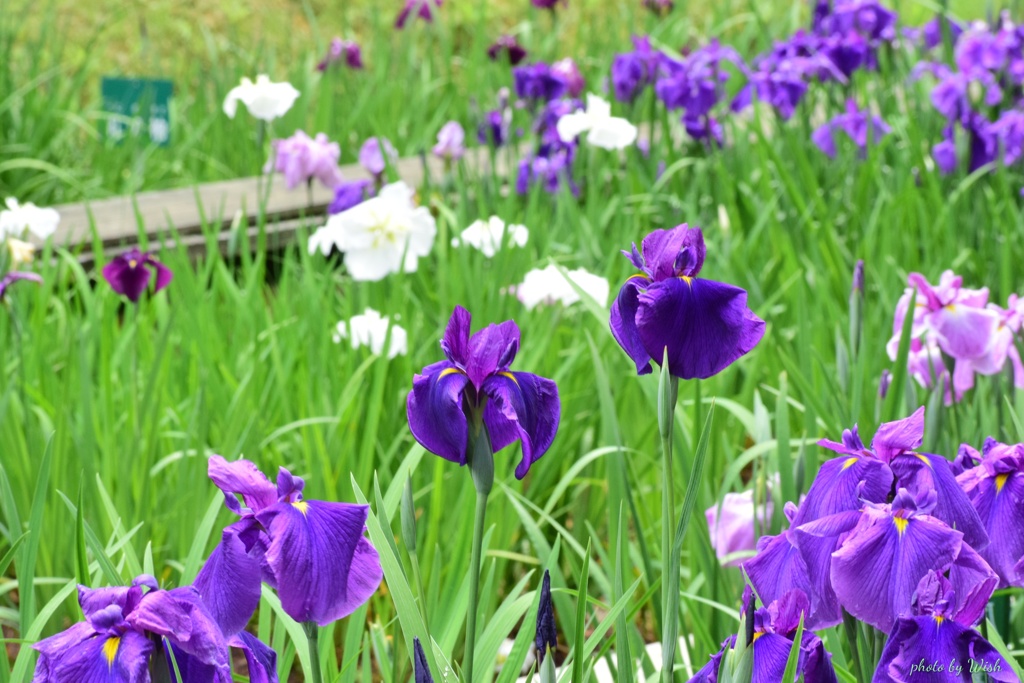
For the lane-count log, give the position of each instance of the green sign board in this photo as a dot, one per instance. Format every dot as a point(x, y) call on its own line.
point(139, 106)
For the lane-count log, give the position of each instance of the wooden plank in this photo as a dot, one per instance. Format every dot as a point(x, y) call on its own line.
point(119, 220)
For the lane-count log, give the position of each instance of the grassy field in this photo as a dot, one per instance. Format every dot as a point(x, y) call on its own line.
point(115, 408)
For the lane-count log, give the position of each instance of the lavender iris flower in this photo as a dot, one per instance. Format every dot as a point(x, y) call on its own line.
point(349, 194)
point(424, 9)
point(507, 45)
point(125, 627)
point(476, 378)
point(16, 276)
point(129, 274)
point(859, 124)
point(633, 71)
point(451, 142)
point(938, 629)
point(377, 154)
point(302, 158)
point(546, 639)
point(732, 525)
point(567, 70)
point(704, 325)
point(313, 552)
point(538, 83)
point(347, 51)
point(994, 482)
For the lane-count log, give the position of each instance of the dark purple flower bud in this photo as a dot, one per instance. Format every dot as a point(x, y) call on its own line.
point(451, 141)
point(340, 50)
point(130, 274)
point(549, 4)
point(313, 552)
point(858, 276)
point(660, 7)
point(15, 276)
point(704, 325)
point(376, 154)
point(127, 630)
point(567, 70)
point(494, 129)
point(424, 9)
point(936, 629)
point(507, 45)
point(421, 670)
point(302, 158)
point(349, 194)
point(476, 379)
point(883, 383)
point(547, 636)
point(538, 83)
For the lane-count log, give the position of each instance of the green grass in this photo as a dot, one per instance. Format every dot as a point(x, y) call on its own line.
point(114, 409)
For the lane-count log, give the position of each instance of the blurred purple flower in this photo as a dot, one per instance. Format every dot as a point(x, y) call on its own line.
point(476, 380)
point(376, 155)
point(346, 51)
point(349, 194)
point(424, 9)
point(567, 70)
point(494, 129)
point(15, 276)
point(301, 158)
point(859, 124)
point(538, 83)
point(704, 326)
point(550, 167)
point(549, 4)
point(507, 45)
point(732, 525)
point(451, 142)
point(130, 273)
point(660, 7)
point(633, 71)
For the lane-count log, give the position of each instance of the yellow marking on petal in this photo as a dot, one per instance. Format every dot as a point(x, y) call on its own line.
point(450, 371)
point(302, 506)
point(901, 524)
point(923, 459)
point(951, 308)
point(938, 618)
point(687, 279)
point(758, 634)
point(849, 462)
point(633, 277)
point(110, 649)
point(510, 376)
point(1001, 481)
point(132, 263)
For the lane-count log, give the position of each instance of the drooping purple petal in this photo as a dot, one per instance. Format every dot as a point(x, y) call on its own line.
point(816, 542)
point(893, 438)
point(779, 568)
point(434, 408)
point(16, 276)
point(180, 616)
point(243, 478)
point(522, 406)
point(840, 486)
point(973, 581)
point(325, 568)
point(229, 582)
point(260, 659)
point(623, 322)
point(705, 325)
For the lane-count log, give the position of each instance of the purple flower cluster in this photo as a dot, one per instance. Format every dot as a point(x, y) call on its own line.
point(696, 85)
point(954, 322)
point(302, 158)
point(859, 125)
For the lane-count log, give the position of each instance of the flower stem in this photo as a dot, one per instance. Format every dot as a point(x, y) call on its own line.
point(482, 468)
point(313, 640)
point(668, 393)
point(850, 625)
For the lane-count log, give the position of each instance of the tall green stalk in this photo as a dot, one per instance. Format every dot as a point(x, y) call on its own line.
point(313, 641)
point(668, 394)
point(481, 465)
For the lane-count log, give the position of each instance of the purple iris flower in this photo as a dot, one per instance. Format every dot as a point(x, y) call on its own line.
point(938, 629)
point(546, 639)
point(130, 274)
point(349, 194)
point(994, 482)
point(538, 83)
point(731, 525)
point(633, 71)
point(476, 378)
point(125, 627)
point(859, 124)
point(1010, 130)
point(377, 154)
point(494, 129)
point(16, 276)
point(567, 70)
point(313, 552)
point(550, 167)
point(302, 158)
point(709, 672)
point(704, 325)
point(424, 9)
point(930, 35)
point(507, 45)
point(451, 142)
point(549, 4)
point(346, 51)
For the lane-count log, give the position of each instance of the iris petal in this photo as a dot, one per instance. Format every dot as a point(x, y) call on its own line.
point(491, 350)
point(229, 582)
point(841, 485)
point(243, 478)
point(75, 656)
point(455, 342)
point(893, 438)
point(623, 323)
point(434, 407)
point(771, 652)
point(527, 404)
point(324, 567)
point(261, 660)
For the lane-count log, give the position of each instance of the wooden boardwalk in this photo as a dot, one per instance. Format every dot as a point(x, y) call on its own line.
point(188, 215)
